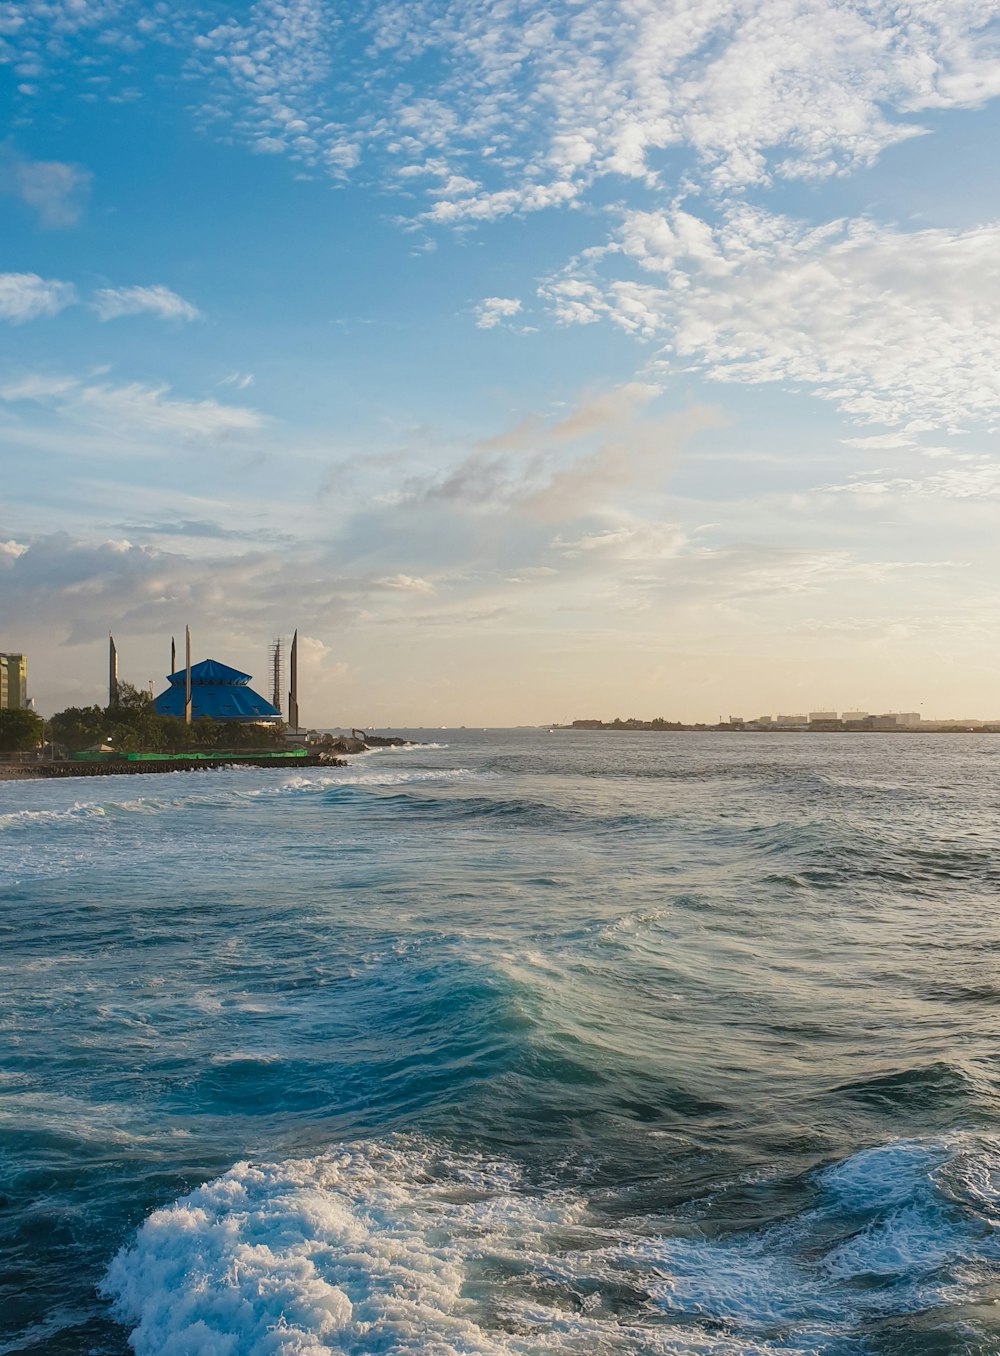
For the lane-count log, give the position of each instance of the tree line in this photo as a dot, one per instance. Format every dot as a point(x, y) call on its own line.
point(131, 725)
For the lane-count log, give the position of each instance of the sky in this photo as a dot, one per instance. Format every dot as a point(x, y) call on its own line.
point(535, 359)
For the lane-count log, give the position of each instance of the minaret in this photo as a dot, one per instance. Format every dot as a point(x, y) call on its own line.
point(112, 672)
point(293, 684)
point(187, 676)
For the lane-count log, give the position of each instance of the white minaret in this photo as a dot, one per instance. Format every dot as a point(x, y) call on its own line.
point(187, 676)
point(112, 672)
point(293, 684)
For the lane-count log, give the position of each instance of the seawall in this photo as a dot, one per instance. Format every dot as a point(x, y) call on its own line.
point(123, 767)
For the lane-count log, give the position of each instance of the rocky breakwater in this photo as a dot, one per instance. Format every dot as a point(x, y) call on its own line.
point(358, 742)
point(127, 767)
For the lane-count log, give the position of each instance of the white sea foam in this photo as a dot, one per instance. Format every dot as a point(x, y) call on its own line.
point(909, 1244)
point(400, 1246)
point(221, 787)
point(306, 783)
point(388, 778)
point(28, 818)
point(749, 1283)
point(885, 1175)
point(357, 1252)
point(974, 1179)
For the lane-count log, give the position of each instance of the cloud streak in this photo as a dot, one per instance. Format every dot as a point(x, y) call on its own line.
point(559, 469)
point(139, 409)
point(26, 296)
point(110, 303)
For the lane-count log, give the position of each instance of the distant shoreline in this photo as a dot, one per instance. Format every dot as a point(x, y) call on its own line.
point(931, 728)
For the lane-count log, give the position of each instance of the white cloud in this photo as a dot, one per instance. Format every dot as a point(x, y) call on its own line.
point(632, 540)
point(25, 296)
point(37, 386)
point(878, 441)
point(56, 191)
point(492, 311)
point(756, 89)
point(135, 407)
point(532, 104)
point(742, 572)
point(502, 203)
point(975, 479)
point(112, 302)
point(899, 328)
point(404, 583)
point(266, 75)
point(152, 408)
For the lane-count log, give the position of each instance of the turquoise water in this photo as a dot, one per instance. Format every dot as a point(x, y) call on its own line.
point(516, 1043)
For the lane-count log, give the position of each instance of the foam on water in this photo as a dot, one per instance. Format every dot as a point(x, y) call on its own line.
point(400, 1245)
point(348, 777)
point(29, 819)
point(222, 791)
point(65, 836)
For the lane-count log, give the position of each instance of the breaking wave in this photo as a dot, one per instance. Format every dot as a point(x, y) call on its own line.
point(402, 1245)
point(29, 819)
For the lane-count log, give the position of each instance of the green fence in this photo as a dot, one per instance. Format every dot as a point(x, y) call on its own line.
point(269, 756)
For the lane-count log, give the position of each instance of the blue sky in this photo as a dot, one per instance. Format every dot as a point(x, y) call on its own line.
point(535, 360)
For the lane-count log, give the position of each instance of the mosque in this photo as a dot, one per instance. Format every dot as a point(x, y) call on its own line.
point(216, 691)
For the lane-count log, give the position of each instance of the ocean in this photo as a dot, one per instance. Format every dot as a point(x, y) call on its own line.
point(516, 1042)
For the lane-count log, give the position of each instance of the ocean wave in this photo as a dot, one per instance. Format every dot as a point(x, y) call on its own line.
point(402, 1245)
point(931, 1088)
point(24, 819)
point(349, 778)
point(406, 777)
point(217, 788)
point(501, 812)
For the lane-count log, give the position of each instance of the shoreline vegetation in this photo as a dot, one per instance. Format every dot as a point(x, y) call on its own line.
point(129, 737)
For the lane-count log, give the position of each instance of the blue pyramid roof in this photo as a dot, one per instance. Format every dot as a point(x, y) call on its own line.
point(217, 691)
point(210, 671)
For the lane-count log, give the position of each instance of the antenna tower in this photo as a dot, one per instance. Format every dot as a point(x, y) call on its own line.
point(277, 666)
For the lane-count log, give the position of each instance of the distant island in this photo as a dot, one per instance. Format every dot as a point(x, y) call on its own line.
point(816, 722)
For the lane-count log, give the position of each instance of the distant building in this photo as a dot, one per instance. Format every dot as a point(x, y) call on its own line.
point(854, 715)
point(792, 720)
point(822, 715)
point(762, 720)
point(13, 682)
point(218, 692)
point(736, 720)
point(886, 722)
point(907, 717)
